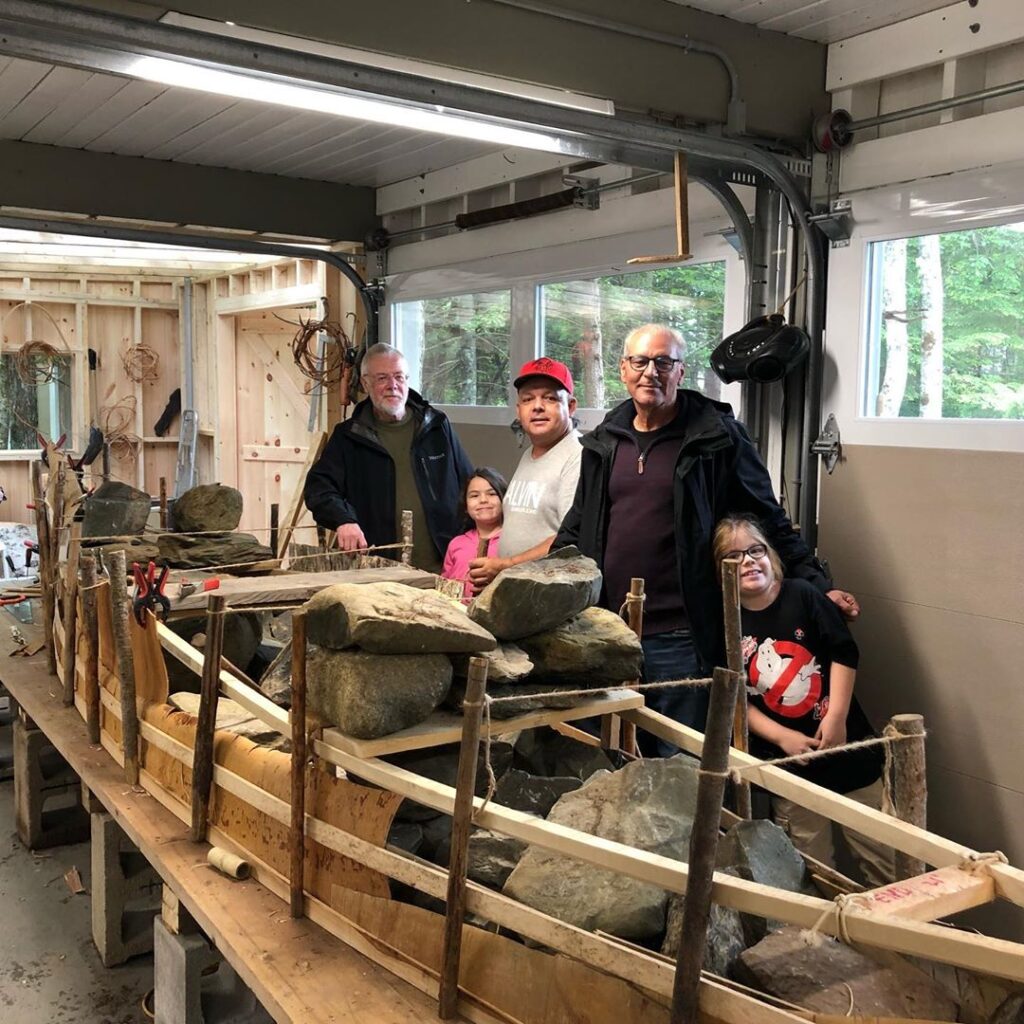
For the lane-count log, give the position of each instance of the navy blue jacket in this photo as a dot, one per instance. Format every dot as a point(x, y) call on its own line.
point(718, 471)
point(354, 480)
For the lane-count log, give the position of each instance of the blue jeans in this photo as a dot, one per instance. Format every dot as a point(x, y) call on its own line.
point(672, 656)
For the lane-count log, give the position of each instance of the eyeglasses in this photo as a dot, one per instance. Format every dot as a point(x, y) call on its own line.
point(384, 378)
point(663, 364)
point(755, 551)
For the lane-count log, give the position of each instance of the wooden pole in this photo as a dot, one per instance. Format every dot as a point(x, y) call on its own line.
point(406, 537)
point(734, 659)
point(164, 520)
point(462, 827)
point(635, 621)
point(57, 521)
point(70, 616)
point(909, 785)
point(714, 767)
point(202, 760)
point(43, 553)
point(92, 643)
point(120, 611)
point(275, 513)
point(297, 836)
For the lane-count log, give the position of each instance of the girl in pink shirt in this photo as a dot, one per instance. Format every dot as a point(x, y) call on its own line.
point(481, 505)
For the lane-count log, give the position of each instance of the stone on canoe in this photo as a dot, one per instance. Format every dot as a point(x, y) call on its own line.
point(182, 552)
point(276, 682)
point(533, 794)
point(594, 648)
point(136, 549)
point(208, 507)
point(115, 509)
point(242, 634)
point(648, 805)
point(548, 753)
point(391, 618)
point(507, 663)
point(231, 717)
point(370, 695)
point(725, 937)
point(537, 596)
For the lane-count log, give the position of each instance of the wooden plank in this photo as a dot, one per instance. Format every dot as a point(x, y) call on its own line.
point(446, 726)
point(274, 453)
point(296, 587)
point(931, 896)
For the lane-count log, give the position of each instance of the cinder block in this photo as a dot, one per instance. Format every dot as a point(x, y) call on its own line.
point(40, 776)
point(125, 894)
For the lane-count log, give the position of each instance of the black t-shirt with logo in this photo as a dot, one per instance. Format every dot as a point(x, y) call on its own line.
point(788, 650)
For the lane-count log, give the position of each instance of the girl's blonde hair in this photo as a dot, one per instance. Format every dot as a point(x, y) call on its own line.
point(723, 544)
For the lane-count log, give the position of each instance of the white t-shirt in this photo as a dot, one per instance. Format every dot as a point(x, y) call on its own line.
point(539, 495)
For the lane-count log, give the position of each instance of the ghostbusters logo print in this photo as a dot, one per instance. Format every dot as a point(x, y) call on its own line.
point(785, 674)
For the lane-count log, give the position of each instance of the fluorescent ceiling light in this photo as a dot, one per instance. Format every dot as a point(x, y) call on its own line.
point(403, 65)
point(251, 87)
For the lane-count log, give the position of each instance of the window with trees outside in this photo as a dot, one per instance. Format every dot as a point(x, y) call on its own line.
point(946, 325)
point(584, 323)
point(457, 346)
point(33, 397)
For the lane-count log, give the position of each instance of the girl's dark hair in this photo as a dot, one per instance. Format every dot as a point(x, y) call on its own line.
point(493, 477)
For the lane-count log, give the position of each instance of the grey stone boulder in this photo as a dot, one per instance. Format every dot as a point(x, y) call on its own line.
point(537, 596)
point(648, 805)
point(491, 857)
point(391, 618)
point(208, 507)
point(370, 695)
point(242, 634)
point(136, 549)
point(1009, 1011)
point(231, 717)
point(518, 698)
point(594, 648)
point(115, 509)
point(204, 552)
point(276, 682)
point(533, 794)
point(507, 663)
point(725, 937)
point(825, 976)
point(548, 753)
point(759, 851)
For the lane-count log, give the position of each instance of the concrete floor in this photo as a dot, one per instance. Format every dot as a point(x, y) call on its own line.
point(50, 972)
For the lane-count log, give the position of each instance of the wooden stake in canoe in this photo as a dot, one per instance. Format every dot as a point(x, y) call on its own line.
point(714, 768)
point(70, 615)
point(734, 659)
point(275, 519)
point(909, 785)
point(682, 220)
point(202, 762)
point(406, 537)
point(92, 643)
point(635, 621)
point(119, 612)
point(164, 521)
point(44, 548)
point(297, 836)
point(462, 827)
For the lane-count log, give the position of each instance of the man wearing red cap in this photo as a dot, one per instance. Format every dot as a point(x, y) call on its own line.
point(542, 489)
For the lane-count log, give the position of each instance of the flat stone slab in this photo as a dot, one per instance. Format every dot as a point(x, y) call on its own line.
point(819, 973)
point(537, 596)
point(208, 507)
point(368, 695)
point(390, 618)
point(594, 648)
point(507, 663)
point(209, 552)
point(231, 717)
point(649, 805)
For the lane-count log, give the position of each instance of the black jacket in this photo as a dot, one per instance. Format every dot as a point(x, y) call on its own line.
point(718, 471)
point(354, 480)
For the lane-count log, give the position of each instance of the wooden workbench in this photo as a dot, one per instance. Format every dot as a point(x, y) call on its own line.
point(298, 971)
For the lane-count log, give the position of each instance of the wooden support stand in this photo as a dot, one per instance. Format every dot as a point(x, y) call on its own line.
point(734, 659)
point(202, 764)
point(714, 767)
point(91, 682)
point(120, 612)
point(909, 785)
point(297, 836)
point(635, 621)
point(164, 521)
point(462, 827)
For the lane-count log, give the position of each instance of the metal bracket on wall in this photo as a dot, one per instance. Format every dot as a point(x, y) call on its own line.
point(836, 223)
point(588, 195)
point(828, 443)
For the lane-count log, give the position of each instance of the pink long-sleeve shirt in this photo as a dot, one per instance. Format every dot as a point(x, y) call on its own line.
point(461, 551)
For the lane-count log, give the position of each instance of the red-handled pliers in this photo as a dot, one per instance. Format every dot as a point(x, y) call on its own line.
point(149, 592)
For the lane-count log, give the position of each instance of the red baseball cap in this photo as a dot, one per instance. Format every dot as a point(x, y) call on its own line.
point(545, 367)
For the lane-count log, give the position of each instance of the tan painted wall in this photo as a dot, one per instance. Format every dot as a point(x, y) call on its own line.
point(490, 446)
point(930, 542)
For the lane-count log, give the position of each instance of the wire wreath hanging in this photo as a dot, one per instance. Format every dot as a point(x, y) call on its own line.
point(114, 420)
point(38, 362)
point(141, 364)
point(331, 366)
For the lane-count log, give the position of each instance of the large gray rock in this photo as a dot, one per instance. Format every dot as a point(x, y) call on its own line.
point(533, 793)
point(826, 976)
point(115, 509)
point(725, 937)
point(491, 857)
point(1010, 1010)
point(242, 634)
point(537, 596)
point(136, 549)
point(519, 698)
point(202, 552)
point(208, 507)
point(546, 752)
point(391, 618)
point(507, 663)
point(276, 682)
point(594, 648)
point(231, 717)
point(648, 805)
point(370, 695)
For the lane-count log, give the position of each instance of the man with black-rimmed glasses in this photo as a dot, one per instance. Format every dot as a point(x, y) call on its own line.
point(656, 476)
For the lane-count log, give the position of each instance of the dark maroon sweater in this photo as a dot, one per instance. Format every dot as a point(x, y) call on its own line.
point(641, 526)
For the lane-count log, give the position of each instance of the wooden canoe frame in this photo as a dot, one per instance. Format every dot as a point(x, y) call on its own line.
point(629, 984)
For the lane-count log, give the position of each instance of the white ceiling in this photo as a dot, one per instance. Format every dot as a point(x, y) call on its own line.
point(825, 21)
point(107, 113)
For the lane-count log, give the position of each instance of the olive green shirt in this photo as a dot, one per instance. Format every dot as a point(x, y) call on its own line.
point(397, 441)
